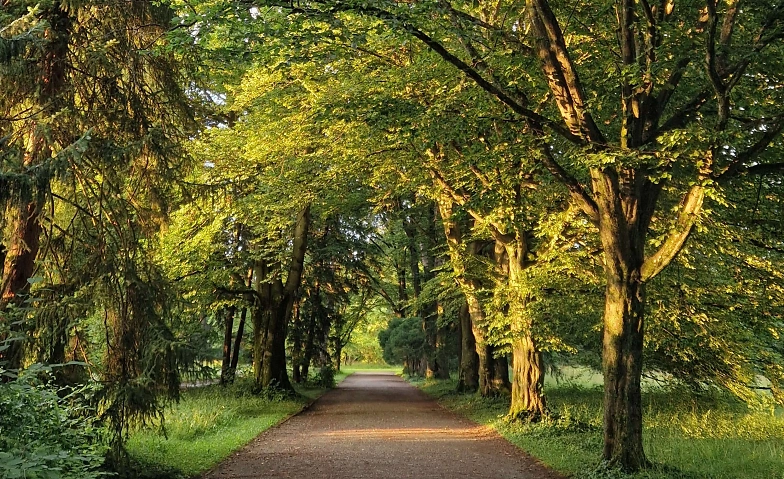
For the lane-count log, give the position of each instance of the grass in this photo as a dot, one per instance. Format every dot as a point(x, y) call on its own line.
point(209, 424)
point(688, 437)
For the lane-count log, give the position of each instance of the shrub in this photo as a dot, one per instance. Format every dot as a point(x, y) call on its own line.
point(46, 432)
point(326, 376)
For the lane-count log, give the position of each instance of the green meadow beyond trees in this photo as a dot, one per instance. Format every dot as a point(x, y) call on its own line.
point(564, 219)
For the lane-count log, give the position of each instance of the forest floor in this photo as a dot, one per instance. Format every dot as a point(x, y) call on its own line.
point(375, 425)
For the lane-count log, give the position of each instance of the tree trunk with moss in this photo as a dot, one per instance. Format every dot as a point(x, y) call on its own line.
point(528, 401)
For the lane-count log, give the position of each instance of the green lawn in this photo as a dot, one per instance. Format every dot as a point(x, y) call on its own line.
point(207, 425)
point(685, 437)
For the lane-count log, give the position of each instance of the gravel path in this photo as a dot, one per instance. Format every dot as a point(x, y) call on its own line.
point(375, 425)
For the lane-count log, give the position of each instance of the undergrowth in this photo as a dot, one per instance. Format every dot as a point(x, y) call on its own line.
point(49, 432)
point(686, 436)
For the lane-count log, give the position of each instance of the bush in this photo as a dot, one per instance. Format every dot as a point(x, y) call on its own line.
point(326, 376)
point(46, 432)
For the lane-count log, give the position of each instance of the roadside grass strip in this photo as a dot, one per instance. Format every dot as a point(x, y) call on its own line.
point(208, 425)
point(689, 437)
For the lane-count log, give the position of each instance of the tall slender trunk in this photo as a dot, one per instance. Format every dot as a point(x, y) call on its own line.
point(441, 368)
point(338, 355)
point(310, 341)
point(296, 346)
point(235, 357)
point(468, 377)
point(228, 332)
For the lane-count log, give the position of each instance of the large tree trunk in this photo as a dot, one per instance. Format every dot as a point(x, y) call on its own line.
point(273, 372)
point(528, 380)
point(260, 333)
point(500, 369)
point(468, 377)
point(528, 401)
point(18, 268)
point(623, 241)
point(622, 367)
point(493, 372)
point(276, 302)
point(25, 240)
point(491, 383)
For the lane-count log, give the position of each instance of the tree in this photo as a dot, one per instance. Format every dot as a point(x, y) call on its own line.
point(629, 122)
point(404, 343)
point(91, 113)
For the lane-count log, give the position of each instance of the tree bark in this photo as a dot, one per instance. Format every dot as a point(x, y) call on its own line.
point(18, 268)
point(275, 306)
point(235, 357)
point(468, 377)
point(500, 370)
point(493, 372)
point(622, 229)
point(528, 401)
point(310, 341)
point(296, 346)
point(25, 240)
point(622, 348)
point(273, 371)
point(228, 330)
point(491, 383)
point(338, 355)
point(441, 368)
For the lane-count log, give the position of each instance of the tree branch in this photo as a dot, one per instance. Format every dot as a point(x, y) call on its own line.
point(298, 254)
point(561, 73)
point(578, 193)
point(691, 207)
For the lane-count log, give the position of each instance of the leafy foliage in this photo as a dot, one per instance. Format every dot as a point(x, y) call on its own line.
point(48, 432)
point(403, 341)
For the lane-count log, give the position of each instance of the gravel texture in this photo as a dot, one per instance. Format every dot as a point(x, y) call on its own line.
point(375, 425)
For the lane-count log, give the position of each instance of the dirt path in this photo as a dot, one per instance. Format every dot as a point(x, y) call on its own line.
point(376, 425)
